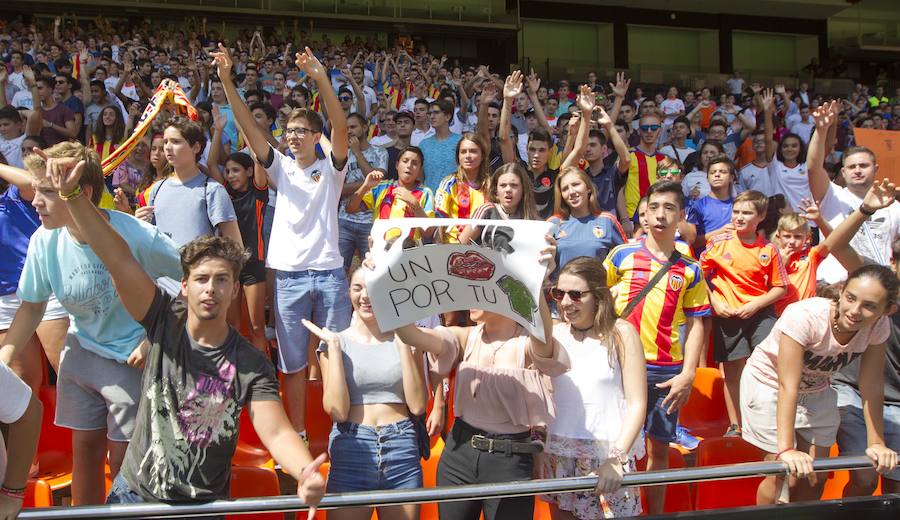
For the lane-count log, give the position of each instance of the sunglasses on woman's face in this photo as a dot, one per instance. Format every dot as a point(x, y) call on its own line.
point(575, 296)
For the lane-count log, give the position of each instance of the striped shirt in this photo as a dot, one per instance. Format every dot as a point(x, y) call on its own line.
point(641, 175)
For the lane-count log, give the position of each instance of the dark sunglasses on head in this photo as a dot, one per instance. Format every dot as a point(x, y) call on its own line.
point(575, 296)
point(650, 128)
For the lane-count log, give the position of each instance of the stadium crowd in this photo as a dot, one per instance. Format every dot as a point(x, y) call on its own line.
point(738, 225)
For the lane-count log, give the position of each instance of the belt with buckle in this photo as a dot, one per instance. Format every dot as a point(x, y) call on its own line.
point(505, 446)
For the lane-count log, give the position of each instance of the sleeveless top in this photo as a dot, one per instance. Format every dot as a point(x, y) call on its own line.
point(589, 399)
point(372, 371)
point(501, 399)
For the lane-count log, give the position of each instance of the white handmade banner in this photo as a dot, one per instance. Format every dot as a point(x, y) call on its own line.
point(503, 275)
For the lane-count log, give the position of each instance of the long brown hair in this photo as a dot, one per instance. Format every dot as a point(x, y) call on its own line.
point(592, 272)
point(526, 205)
point(484, 170)
point(560, 207)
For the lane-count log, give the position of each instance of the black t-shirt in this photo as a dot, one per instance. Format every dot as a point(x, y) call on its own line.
point(849, 375)
point(543, 191)
point(393, 156)
point(250, 207)
point(191, 401)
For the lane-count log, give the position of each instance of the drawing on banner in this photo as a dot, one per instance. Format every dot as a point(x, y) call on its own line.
point(412, 281)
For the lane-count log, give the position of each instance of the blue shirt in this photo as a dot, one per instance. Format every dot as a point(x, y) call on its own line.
point(594, 236)
point(710, 213)
point(18, 221)
point(57, 264)
point(440, 159)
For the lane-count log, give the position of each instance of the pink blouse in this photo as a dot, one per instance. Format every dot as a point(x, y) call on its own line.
point(501, 399)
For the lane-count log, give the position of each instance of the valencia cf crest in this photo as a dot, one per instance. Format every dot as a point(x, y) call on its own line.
point(598, 232)
point(676, 282)
point(764, 258)
point(316, 175)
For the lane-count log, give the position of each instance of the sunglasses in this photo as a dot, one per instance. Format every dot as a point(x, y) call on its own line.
point(650, 128)
point(345, 98)
point(575, 296)
point(673, 171)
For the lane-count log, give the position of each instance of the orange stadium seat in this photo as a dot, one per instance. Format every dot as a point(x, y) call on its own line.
point(37, 494)
point(250, 450)
point(704, 414)
point(834, 486)
point(318, 423)
point(54, 452)
point(716, 494)
point(249, 482)
point(678, 496)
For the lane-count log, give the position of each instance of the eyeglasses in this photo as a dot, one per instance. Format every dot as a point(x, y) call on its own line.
point(298, 130)
point(434, 112)
point(650, 128)
point(671, 171)
point(345, 98)
point(575, 296)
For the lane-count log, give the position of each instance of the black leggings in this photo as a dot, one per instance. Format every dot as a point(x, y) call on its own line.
point(462, 464)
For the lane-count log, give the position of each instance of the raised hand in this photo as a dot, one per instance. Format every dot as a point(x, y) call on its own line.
point(28, 74)
point(621, 86)
point(223, 62)
point(489, 93)
point(534, 82)
point(586, 99)
point(603, 118)
point(220, 121)
point(768, 100)
point(809, 210)
point(779, 89)
point(823, 117)
point(308, 63)
point(881, 195)
point(513, 85)
point(372, 179)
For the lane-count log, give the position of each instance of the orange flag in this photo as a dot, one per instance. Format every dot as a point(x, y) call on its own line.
point(886, 145)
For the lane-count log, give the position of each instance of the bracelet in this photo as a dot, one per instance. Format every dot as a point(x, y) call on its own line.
point(780, 453)
point(866, 212)
point(18, 494)
point(75, 193)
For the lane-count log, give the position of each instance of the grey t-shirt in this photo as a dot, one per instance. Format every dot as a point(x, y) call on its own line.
point(191, 401)
point(372, 370)
point(190, 210)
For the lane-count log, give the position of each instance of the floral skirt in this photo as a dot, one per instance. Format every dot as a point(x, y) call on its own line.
point(588, 505)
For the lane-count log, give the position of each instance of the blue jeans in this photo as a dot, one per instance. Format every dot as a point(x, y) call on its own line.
point(659, 424)
point(120, 493)
point(365, 458)
point(322, 297)
point(353, 236)
point(851, 437)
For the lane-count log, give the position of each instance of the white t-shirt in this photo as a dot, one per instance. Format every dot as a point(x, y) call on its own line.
point(381, 140)
point(12, 150)
point(418, 136)
point(872, 241)
point(305, 227)
point(696, 178)
point(804, 130)
point(410, 103)
point(808, 322)
point(679, 154)
point(792, 182)
point(23, 99)
point(16, 396)
point(671, 108)
point(753, 177)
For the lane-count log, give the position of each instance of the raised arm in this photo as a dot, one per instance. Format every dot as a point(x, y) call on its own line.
point(242, 115)
point(308, 63)
point(619, 90)
point(135, 287)
point(511, 89)
point(586, 105)
point(815, 156)
point(19, 178)
point(768, 103)
point(488, 95)
point(534, 84)
point(355, 200)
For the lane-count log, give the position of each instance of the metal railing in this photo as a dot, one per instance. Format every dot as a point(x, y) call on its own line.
point(438, 494)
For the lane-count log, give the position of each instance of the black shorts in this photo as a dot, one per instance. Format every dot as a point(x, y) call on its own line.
point(254, 272)
point(735, 338)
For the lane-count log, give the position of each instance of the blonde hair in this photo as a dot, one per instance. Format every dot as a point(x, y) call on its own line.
point(561, 207)
point(758, 199)
point(91, 175)
point(793, 222)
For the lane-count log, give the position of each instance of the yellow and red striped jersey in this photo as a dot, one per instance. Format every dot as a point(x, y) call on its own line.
point(641, 175)
point(658, 317)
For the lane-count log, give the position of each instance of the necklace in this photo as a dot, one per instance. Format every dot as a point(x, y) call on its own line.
point(584, 332)
point(835, 328)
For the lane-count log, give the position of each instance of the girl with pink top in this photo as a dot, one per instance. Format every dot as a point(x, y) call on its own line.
point(788, 407)
point(502, 392)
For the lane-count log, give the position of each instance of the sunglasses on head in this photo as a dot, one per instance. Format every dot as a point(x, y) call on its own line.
point(650, 128)
point(575, 296)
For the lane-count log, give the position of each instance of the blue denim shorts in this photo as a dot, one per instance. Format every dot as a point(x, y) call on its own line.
point(322, 297)
point(120, 493)
point(659, 424)
point(366, 458)
point(851, 437)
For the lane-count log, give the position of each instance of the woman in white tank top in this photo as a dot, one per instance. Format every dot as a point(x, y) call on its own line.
point(600, 403)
